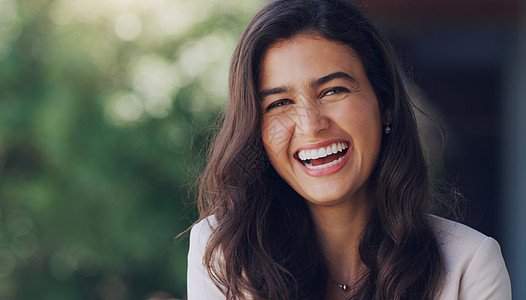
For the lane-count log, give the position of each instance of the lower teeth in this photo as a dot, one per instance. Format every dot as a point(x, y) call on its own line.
point(329, 164)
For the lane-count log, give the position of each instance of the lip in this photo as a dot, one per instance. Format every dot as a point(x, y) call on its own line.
point(326, 171)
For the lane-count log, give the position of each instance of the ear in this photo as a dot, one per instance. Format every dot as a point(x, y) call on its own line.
point(386, 116)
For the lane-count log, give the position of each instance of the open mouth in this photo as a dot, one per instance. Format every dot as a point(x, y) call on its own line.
point(323, 157)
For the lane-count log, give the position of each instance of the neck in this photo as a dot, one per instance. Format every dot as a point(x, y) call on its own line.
point(339, 230)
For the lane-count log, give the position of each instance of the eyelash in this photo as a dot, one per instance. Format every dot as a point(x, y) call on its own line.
point(334, 91)
point(278, 103)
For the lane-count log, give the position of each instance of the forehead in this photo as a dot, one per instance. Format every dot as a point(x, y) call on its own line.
point(304, 57)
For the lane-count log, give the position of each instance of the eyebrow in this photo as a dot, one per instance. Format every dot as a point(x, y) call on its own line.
point(277, 90)
point(332, 76)
point(314, 83)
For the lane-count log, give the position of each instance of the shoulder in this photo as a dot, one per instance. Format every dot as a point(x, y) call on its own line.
point(456, 236)
point(202, 230)
point(199, 283)
point(474, 266)
point(199, 236)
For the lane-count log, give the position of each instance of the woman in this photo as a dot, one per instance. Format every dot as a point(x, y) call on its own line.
point(316, 185)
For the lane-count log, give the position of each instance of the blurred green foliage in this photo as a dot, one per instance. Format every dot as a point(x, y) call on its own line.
point(105, 109)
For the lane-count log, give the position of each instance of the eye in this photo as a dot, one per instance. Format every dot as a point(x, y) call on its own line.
point(334, 91)
point(278, 103)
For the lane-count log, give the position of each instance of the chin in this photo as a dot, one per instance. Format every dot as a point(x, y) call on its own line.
point(324, 199)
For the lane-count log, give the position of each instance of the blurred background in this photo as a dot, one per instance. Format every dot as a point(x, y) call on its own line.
point(106, 106)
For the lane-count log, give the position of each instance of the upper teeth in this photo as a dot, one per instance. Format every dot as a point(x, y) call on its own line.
point(323, 151)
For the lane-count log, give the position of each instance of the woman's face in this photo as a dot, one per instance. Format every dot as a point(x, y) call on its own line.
point(321, 124)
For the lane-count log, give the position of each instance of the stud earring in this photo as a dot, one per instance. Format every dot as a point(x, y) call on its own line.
point(387, 129)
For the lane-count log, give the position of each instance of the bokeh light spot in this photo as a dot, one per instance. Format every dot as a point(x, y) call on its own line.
point(128, 27)
point(10, 25)
point(19, 222)
point(61, 13)
point(63, 264)
point(152, 76)
point(87, 11)
point(125, 109)
point(7, 263)
point(24, 245)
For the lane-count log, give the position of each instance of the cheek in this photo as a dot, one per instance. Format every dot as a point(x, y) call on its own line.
point(362, 120)
point(276, 131)
point(359, 113)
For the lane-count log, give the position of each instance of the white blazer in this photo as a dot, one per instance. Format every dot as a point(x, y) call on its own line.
point(475, 269)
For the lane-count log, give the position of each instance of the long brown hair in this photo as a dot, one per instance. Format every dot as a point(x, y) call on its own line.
point(264, 232)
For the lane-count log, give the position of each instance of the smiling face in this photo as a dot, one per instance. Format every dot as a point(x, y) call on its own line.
point(321, 122)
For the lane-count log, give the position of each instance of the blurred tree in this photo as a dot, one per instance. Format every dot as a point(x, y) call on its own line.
point(105, 108)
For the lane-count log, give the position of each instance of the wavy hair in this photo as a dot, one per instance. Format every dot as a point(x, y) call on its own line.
point(264, 233)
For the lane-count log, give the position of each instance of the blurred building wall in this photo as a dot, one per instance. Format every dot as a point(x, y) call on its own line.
point(514, 154)
point(468, 60)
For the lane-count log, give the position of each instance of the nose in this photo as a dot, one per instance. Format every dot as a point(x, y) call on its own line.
point(310, 118)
